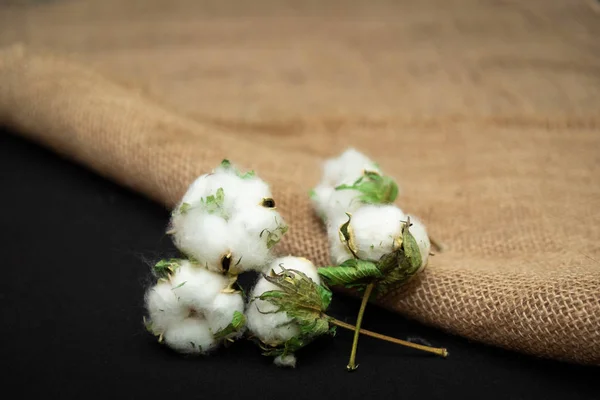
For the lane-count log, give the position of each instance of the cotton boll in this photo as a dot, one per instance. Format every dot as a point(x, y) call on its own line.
point(417, 229)
point(219, 313)
point(289, 361)
point(197, 287)
point(203, 236)
point(191, 307)
point(275, 328)
point(375, 228)
point(252, 232)
point(164, 308)
point(191, 336)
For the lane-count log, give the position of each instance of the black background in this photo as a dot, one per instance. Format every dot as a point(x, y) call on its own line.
point(75, 252)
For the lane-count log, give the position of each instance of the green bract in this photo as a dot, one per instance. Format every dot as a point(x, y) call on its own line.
point(304, 302)
point(374, 188)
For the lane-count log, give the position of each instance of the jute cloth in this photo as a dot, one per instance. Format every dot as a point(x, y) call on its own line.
point(487, 113)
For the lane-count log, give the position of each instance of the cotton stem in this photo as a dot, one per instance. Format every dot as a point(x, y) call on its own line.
point(361, 312)
point(435, 350)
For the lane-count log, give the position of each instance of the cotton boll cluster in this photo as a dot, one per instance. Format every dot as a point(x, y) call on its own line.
point(227, 221)
point(263, 321)
point(375, 224)
point(191, 307)
point(226, 224)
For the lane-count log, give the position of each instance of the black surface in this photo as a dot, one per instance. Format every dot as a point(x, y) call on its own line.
point(75, 250)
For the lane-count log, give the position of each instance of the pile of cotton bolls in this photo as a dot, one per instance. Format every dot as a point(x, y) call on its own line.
point(227, 224)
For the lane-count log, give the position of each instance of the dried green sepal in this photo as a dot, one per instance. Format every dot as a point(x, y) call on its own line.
point(213, 204)
point(374, 188)
point(226, 164)
point(184, 207)
point(275, 235)
point(401, 265)
point(180, 285)
point(166, 267)
point(237, 323)
point(347, 236)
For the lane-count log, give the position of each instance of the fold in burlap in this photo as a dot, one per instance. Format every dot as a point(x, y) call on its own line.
point(487, 113)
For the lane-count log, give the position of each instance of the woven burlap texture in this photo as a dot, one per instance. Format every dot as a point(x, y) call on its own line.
point(485, 112)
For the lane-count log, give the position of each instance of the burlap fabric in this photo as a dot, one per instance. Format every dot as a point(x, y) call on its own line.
point(486, 112)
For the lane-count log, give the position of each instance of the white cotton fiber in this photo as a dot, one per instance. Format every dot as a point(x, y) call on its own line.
point(374, 229)
point(191, 307)
point(275, 328)
point(243, 223)
point(195, 286)
point(347, 168)
point(251, 193)
point(330, 203)
point(289, 361)
point(220, 312)
point(203, 237)
point(164, 309)
point(190, 336)
point(250, 235)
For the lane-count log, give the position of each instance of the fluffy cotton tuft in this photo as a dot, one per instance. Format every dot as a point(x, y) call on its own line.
point(289, 361)
point(345, 169)
point(274, 328)
point(227, 220)
point(191, 307)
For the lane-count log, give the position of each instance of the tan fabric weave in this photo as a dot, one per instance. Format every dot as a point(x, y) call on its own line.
point(488, 113)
